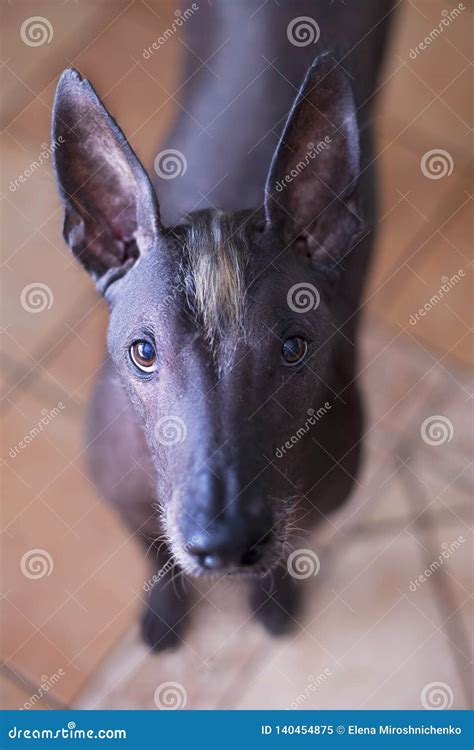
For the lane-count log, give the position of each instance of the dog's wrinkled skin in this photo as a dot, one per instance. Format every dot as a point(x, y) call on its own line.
point(211, 293)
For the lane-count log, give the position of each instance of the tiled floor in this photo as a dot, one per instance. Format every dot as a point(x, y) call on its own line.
point(372, 635)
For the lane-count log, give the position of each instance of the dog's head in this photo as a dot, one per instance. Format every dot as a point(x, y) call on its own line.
point(220, 327)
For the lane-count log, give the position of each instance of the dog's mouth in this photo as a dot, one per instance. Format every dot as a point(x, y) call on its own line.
point(198, 571)
point(219, 567)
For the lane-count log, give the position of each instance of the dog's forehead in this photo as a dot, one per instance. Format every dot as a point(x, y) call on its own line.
point(196, 273)
point(211, 274)
point(215, 251)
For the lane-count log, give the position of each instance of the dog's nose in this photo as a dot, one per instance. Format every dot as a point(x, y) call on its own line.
point(218, 552)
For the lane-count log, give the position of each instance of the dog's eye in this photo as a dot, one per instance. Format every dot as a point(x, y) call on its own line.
point(294, 350)
point(143, 355)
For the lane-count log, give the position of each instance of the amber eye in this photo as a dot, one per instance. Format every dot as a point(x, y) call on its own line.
point(143, 355)
point(294, 350)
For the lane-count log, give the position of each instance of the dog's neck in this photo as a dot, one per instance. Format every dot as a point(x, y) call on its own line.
point(241, 76)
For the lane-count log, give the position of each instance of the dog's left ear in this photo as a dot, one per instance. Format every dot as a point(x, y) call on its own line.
point(310, 190)
point(111, 210)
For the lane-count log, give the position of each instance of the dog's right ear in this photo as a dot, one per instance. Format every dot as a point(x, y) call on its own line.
point(111, 214)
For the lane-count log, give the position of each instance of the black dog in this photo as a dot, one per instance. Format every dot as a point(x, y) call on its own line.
point(229, 403)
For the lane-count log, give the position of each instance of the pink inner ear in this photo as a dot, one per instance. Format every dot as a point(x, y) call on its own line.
point(302, 186)
point(111, 209)
point(106, 188)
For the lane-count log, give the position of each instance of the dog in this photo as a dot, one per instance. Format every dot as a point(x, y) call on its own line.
point(228, 410)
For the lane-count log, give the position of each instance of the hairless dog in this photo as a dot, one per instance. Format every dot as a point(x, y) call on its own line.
point(228, 410)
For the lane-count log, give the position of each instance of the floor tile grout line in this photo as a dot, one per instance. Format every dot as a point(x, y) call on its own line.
point(27, 683)
point(397, 669)
point(420, 240)
point(412, 521)
point(442, 591)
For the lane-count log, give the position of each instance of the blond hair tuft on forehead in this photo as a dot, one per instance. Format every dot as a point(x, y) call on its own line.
point(216, 255)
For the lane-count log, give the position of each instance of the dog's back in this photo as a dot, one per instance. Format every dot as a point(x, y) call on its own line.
point(245, 62)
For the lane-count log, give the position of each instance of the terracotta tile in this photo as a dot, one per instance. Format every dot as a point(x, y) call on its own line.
point(442, 452)
point(145, 109)
point(443, 486)
point(438, 281)
point(440, 475)
point(31, 68)
point(37, 451)
point(38, 656)
point(448, 567)
point(416, 20)
point(432, 417)
point(16, 629)
point(397, 378)
point(400, 175)
point(14, 696)
point(457, 399)
point(90, 596)
point(374, 644)
point(71, 618)
point(44, 294)
point(76, 363)
point(410, 95)
point(458, 565)
point(402, 385)
point(444, 425)
point(410, 124)
point(7, 377)
point(413, 209)
point(385, 502)
point(127, 90)
point(27, 181)
point(138, 91)
point(27, 375)
point(218, 647)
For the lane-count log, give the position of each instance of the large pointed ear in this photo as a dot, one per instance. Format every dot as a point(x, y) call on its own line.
point(311, 196)
point(111, 214)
